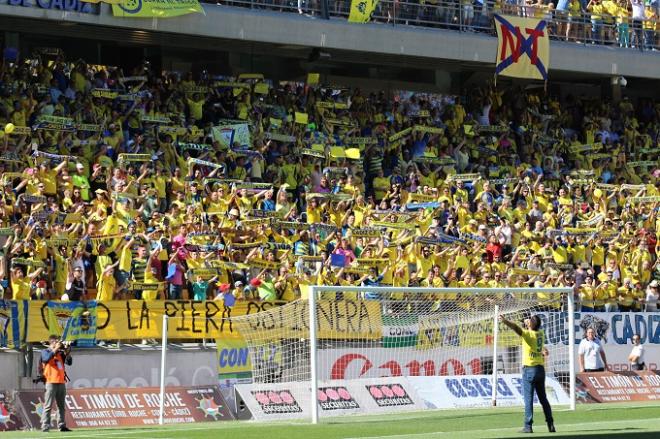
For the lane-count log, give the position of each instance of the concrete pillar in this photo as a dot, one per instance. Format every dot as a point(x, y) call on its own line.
point(617, 92)
point(443, 80)
point(12, 39)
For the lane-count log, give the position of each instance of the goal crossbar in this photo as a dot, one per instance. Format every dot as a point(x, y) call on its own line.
point(422, 290)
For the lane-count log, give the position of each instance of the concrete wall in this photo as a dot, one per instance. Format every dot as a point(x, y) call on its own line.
point(128, 367)
point(240, 24)
point(10, 362)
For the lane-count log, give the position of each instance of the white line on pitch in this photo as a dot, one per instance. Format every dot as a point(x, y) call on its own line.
point(402, 435)
point(120, 434)
point(166, 430)
point(492, 430)
point(623, 406)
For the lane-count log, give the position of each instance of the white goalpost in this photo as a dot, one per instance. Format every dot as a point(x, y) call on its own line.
point(353, 350)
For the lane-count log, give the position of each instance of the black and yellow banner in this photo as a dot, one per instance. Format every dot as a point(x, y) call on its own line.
point(34, 321)
point(156, 8)
point(361, 10)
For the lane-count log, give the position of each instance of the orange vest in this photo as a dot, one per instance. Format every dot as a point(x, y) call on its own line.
point(54, 370)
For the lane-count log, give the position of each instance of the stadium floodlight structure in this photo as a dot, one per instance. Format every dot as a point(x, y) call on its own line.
point(405, 332)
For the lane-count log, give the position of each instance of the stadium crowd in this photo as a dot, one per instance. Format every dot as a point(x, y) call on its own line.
point(153, 186)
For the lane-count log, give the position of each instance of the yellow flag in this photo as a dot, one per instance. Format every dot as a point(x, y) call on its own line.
point(155, 8)
point(301, 118)
point(313, 78)
point(275, 123)
point(353, 153)
point(259, 76)
point(523, 47)
point(337, 152)
point(361, 10)
point(261, 88)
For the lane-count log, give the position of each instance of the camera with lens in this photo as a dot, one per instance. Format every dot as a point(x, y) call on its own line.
point(63, 348)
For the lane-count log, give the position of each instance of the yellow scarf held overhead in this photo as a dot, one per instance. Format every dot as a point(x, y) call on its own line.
point(361, 10)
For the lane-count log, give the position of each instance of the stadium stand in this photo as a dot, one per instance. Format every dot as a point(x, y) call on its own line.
point(623, 23)
point(160, 186)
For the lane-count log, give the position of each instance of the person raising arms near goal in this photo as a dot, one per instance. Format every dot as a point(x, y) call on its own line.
point(533, 374)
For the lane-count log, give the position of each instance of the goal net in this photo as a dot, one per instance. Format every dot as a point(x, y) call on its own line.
point(374, 349)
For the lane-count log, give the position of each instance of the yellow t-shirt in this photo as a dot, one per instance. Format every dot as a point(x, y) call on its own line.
point(560, 255)
point(106, 288)
point(79, 81)
point(314, 215)
point(160, 183)
point(125, 259)
point(196, 108)
point(381, 186)
point(149, 295)
point(532, 347)
point(60, 268)
point(21, 289)
point(49, 179)
point(219, 207)
point(423, 265)
point(598, 256)
point(596, 12)
point(178, 184)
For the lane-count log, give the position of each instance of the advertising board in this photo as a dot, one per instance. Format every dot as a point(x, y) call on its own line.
point(618, 386)
point(125, 407)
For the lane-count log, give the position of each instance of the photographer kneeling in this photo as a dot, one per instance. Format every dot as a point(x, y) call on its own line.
point(53, 361)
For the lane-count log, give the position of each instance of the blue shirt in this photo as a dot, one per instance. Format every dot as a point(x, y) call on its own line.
point(46, 355)
point(419, 147)
point(55, 95)
point(368, 282)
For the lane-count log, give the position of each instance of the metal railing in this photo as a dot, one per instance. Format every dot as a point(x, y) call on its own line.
point(308, 7)
point(580, 27)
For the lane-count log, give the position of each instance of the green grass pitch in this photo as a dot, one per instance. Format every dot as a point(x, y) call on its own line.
point(627, 421)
